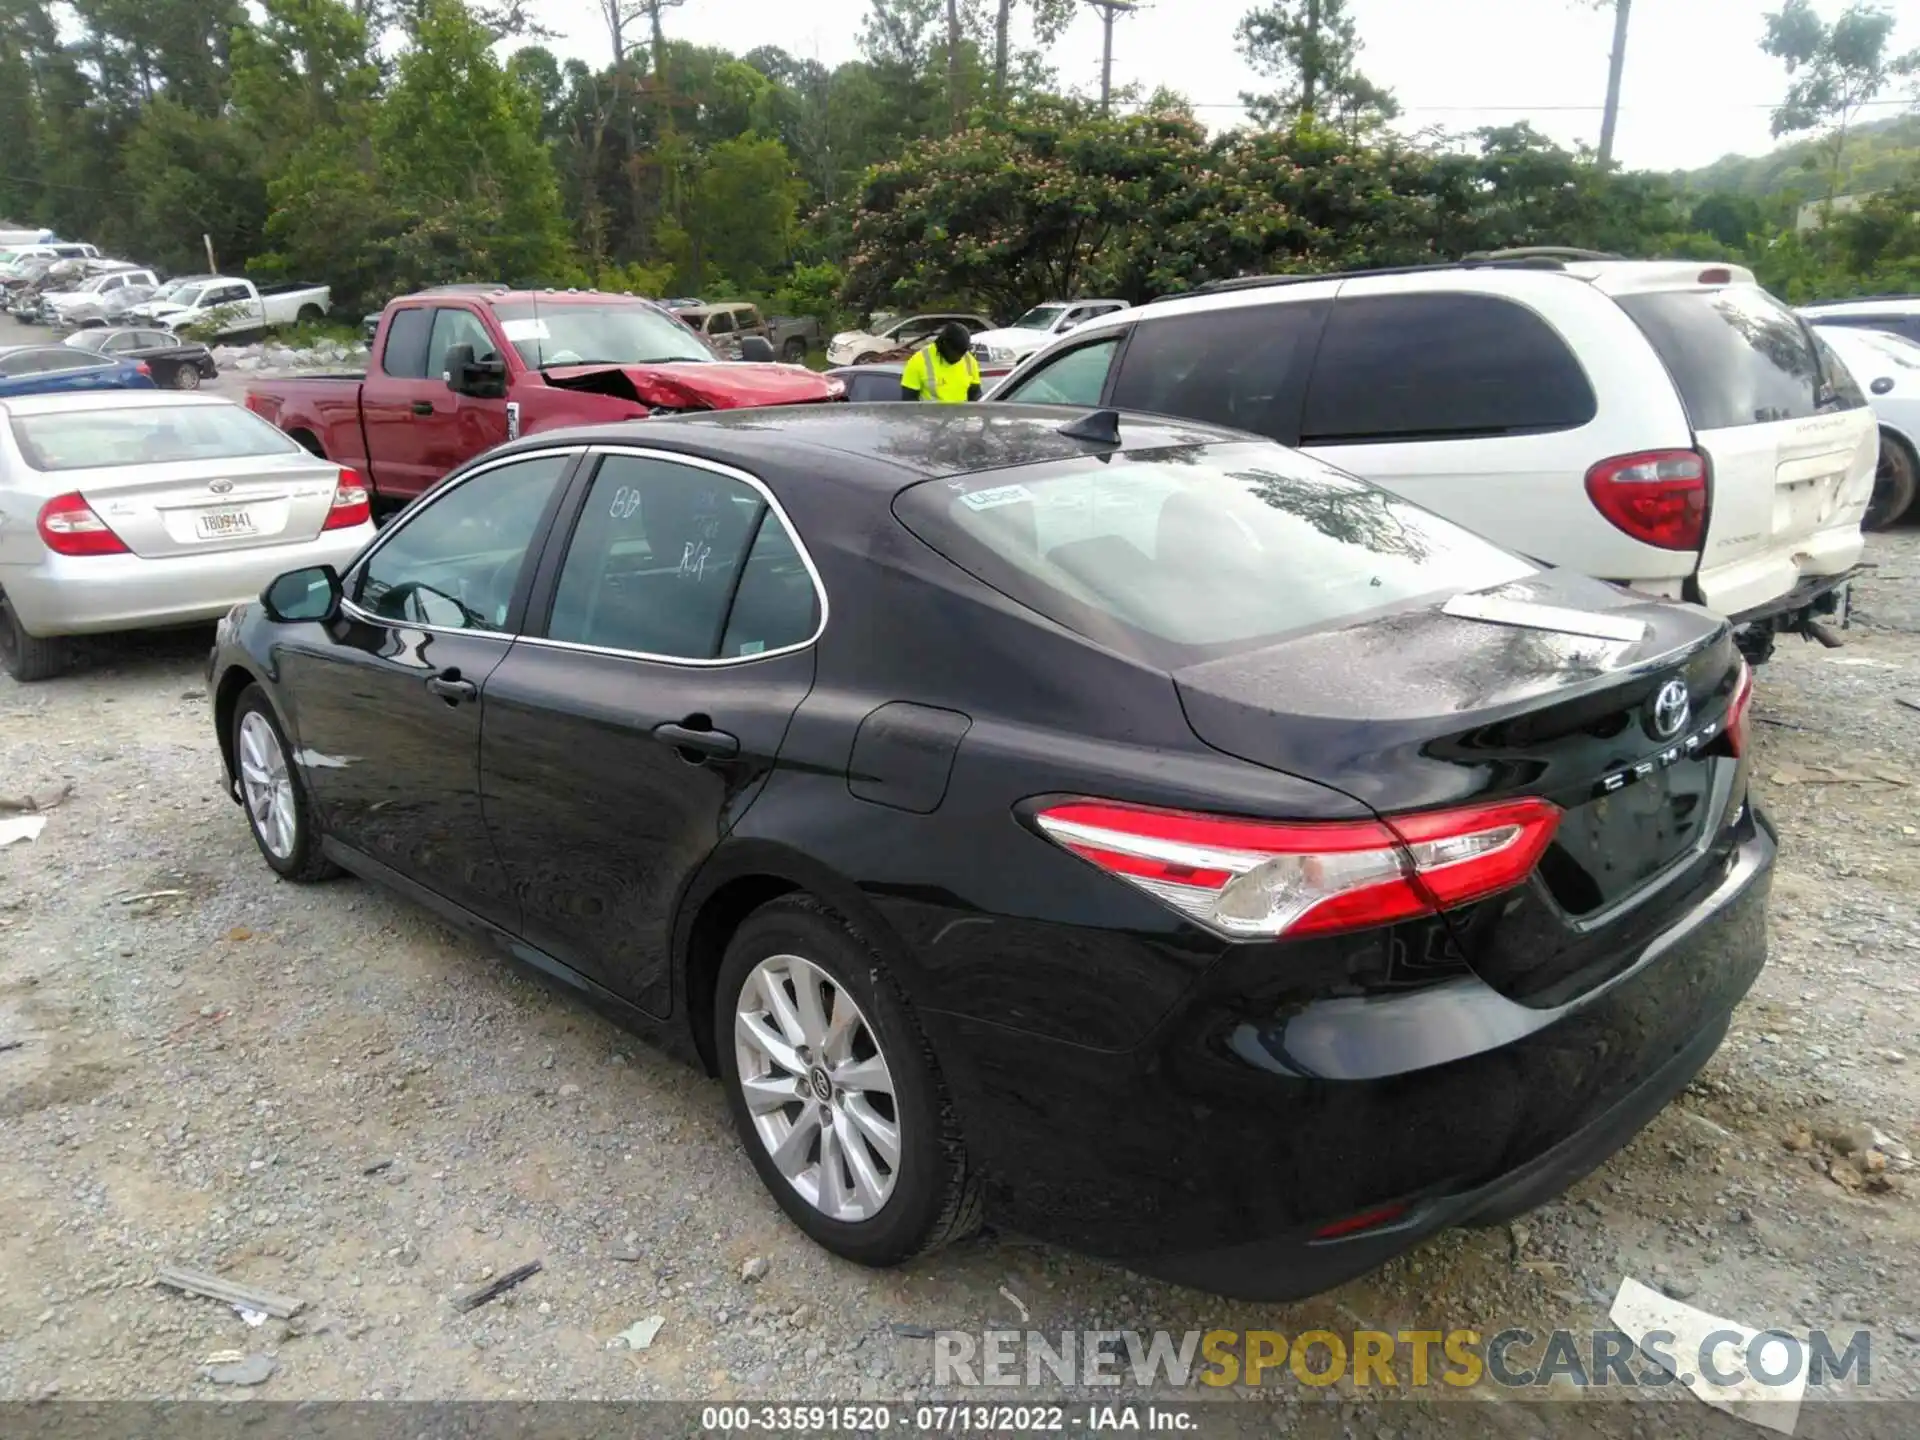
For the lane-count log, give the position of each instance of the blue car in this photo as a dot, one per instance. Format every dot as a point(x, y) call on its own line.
point(46, 369)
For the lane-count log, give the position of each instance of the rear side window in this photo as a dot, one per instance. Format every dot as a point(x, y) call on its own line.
point(1441, 367)
point(405, 355)
point(1243, 367)
point(1844, 392)
point(1180, 556)
point(1739, 356)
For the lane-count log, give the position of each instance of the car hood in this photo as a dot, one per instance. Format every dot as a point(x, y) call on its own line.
point(699, 385)
point(854, 337)
point(161, 307)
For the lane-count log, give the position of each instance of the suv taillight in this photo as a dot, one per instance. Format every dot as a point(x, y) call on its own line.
point(68, 526)
point(1659, 497)
point(1260, 879)
point(352, 504)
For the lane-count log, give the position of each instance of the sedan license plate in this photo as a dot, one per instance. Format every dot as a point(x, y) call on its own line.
point(223, 524)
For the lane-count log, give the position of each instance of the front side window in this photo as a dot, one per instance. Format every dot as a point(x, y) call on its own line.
point(680, 562)
point(1075, 378)
point(451, 328)
point(1440, 367)
point(1041, 317)
point(720, 323)
point(1182, 556)
point(454, 563)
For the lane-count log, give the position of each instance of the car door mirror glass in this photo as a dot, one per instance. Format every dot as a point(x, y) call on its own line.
point(309, 594)
point(756, 348)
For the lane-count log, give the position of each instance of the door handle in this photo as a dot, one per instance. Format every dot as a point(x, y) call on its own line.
point(423, 407)
point(451, 688)
point(698, 745)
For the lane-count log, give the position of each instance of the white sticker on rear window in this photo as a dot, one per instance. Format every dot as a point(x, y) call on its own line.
point(993, 499)
point(526, 329)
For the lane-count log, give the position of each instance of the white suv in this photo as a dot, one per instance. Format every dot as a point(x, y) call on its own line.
point(1666, 425)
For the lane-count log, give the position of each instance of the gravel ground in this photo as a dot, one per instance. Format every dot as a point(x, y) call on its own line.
point(325, 1093)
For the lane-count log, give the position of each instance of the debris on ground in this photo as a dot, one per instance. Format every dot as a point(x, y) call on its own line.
point(21, 827)
point(496, 1287)
point(1665, 1328)
point(230, 1367)
point(754, 1270)
point(36, 802)
point(639, 1335)
point(213, 1287)
point(908, 1331)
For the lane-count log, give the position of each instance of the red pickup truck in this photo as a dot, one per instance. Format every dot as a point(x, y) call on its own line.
point(455, 372)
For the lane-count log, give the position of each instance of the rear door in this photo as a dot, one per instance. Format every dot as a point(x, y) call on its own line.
point(1791, 459)
point(627, 735)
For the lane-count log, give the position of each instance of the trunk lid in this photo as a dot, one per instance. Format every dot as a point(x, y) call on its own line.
point(1438, 707)
point(698, 385)
point(202, 506)
point(1790, 458)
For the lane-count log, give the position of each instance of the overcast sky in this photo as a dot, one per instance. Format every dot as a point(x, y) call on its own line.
point(1697, 85)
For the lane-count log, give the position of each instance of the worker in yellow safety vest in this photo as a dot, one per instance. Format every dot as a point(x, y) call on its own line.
point(944, 371)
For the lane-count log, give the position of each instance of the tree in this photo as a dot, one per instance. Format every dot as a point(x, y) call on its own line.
point(1312, 48)
point(1050, 17)
point(1837, 69)
point(739, 219)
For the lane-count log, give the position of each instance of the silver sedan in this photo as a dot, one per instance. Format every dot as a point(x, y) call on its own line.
point(135, 509)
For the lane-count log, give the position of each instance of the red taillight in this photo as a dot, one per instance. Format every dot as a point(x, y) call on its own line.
point(1261, 879)
point(68, 526)
point(142, 367)
point(352, 502)
point(1737, 710)
point(1658, 497)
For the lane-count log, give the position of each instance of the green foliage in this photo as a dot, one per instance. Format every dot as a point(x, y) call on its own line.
point(1836, 70)
point(1312, 48)
point(812, 291)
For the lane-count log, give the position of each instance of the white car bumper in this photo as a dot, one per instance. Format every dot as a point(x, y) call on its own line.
point(90, 594)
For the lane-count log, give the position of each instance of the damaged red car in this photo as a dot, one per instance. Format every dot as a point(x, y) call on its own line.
point(454, 372)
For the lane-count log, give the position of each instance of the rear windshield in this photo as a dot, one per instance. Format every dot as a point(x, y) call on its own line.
point(1739, 356)
point(1177, 556)
point(150, 435)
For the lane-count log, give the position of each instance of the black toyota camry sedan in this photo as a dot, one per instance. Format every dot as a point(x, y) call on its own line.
point(1143, 834)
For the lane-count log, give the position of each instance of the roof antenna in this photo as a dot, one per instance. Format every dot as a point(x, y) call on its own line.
point(1102, 427)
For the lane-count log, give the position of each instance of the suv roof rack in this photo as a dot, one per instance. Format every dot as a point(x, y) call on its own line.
point(1544, 252)
point(1470, 262)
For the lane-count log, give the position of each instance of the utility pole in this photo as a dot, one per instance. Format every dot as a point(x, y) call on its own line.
point(1617, 64)
point(1107, 9)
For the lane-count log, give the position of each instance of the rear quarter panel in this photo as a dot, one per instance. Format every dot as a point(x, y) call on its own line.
point(328, 409)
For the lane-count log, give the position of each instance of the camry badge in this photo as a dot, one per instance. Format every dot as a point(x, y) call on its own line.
point(1669, 714)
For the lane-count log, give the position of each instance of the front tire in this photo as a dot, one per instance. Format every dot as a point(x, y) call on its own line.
point(186, 377)
point(278, 811)
point(1894, 483)
point(28, 658)
point(835, 1092)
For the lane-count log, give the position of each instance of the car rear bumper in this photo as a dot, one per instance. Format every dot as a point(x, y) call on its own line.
point(80, 595)
point(1217, 1155)
point(1763, 584)
point(1812, 597)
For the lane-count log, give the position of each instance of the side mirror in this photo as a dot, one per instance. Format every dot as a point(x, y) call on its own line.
point(309, 594)
point(480, 379)
point(756, 348)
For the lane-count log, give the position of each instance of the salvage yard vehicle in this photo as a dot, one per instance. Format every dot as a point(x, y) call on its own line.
point(1664, 424)
point(1886, 368)
point(49, 369)
point(175, 364)
point(897, 338)
point(998, 351)
point(726, 325)
point(455, 372)
point(225, 305)
point(138, 510)
point(1174, 846)
point(86, 303)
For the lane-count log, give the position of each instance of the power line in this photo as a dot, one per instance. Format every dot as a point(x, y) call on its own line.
point(1519, 109)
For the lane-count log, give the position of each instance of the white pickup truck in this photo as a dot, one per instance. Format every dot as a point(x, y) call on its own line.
point(223, 306)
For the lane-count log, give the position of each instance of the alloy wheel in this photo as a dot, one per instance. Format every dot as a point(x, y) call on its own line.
point(268, 785)
point(817, 1087)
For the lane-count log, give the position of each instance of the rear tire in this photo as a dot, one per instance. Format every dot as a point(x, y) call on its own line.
point(185, 377)
point(310, 315)
point(278, 811)
point(309, 442)
point(1894, 483)
point(869, 1064)
point(28, 658)
point(795, 351)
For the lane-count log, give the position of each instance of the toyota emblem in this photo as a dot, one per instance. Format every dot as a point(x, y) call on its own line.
point(220, 487)
point(1670, 709)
